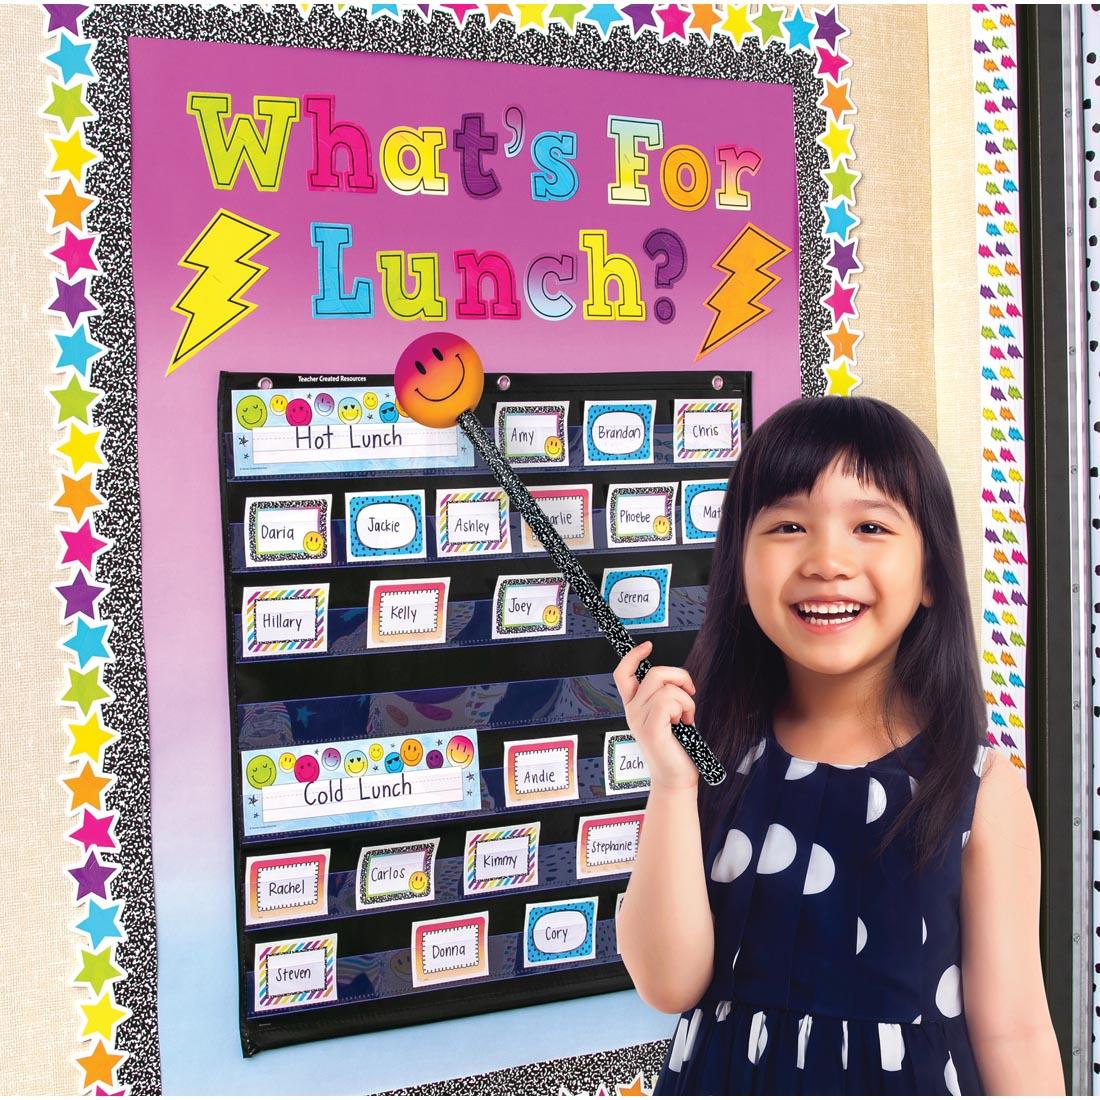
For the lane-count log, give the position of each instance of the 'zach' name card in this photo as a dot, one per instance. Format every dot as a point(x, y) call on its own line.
point(412, 612)
point(541, 770)
point(450, 950)
point(624, 767)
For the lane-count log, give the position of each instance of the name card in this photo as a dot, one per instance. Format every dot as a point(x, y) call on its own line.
point(641, 514)
point(412, 612)
point(569, 510)
point(501, 859)
point(607, 844)
point(396, 874)
point(278, 621)
point(287, 531)
point(533, 433)
point(559, 932)
point(540, 770)
point(624, 767)
point(701, 510)
point(706, 431)
point(639, 596)
point(472, 521)
point(450, 950)
point(528, 606)
point(618, 431)
point(362, 780)
point(294, 972)
point(385, 525)
point(286, 887)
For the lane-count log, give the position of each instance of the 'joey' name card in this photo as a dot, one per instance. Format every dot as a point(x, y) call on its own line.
point(540, 770)
point(286, 887)
point(701, 509)
point(385, 526)
point(607, 844)
point(533, 433)
point(559, 931)
point(641, 514)
point(287, 531)
point(501, 859)
point(639, 595)
point(569, 510)
point(450, 950)
point(618, 432)
point(396, 874)
point(624, 767)
point(472, 521)
point(408, 612)
point(278, 621)
point(363, 780)
point(527, 606)
point(706, 431)
point(295, 972)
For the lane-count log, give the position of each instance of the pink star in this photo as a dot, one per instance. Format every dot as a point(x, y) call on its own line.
point(76, 253)
point(460, 11)
point(830, 64)
point(840, 301)
point(81, 545)
point(95, 832)
point(673, 18)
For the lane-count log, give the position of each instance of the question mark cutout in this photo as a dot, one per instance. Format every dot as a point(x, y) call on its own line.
point(672, 265)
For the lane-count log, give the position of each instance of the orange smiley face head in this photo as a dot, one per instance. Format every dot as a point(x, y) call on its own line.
point(438, 377)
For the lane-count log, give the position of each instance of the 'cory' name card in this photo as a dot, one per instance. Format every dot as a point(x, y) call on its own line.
point(559, 932)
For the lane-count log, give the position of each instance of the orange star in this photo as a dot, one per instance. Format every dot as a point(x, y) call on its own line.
point(78, 496)
point(99, 1065)
point(494, 11)
point(86, 788)
point(635, 1088)
point(843, 341)
point(836, 99)
point(68, 206)
point(704, 18)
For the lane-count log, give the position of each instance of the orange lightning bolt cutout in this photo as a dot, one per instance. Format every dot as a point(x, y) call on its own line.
point(212, 302)
point(737, 301)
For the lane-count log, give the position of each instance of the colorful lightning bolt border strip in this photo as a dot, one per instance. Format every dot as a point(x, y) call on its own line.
point(1005, 547)
point(86, 778)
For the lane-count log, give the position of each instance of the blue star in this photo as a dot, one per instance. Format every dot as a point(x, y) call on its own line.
point(77, 350)
point(304, 715)
point(798, 30)
point(384, 9)
point(101, 923)
point(87, 642)
point(71, 59)
point(604, 16)
point(839, 219)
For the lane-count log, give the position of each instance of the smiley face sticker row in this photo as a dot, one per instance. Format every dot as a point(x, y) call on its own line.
point(254, 411)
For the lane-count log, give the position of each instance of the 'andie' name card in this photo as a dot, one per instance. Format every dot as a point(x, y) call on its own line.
point(409, 612)
point(295, 972)
point(706, 431)
point(286, 887)
point(287, 531)
point(450, 950)
point(607, 844)
point(540, 770)
point(533, 433)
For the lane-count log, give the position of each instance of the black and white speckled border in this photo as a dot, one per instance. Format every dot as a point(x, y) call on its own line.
point(116, 371)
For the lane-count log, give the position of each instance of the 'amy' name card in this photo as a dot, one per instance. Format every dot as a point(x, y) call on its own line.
point(540, 770)
point(533, 433)
point(450, 950)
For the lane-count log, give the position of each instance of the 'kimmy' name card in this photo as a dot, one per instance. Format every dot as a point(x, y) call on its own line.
point(607, 844)
point(559, 932)
point(639, 595)
point(706, 431)
point(450, 950)
point(295, 972)
point(569, 510)
point(287, 531)
point(618, 431)
point(527, 606)
point(501, 859)
point(385, 525)
point(533, 433)
point(409, 612)
point(701, 509)
point(278, 621)
point(540, 770)
point(286, 887)
point(624, 767)
point(641, 514)
point(396, 874)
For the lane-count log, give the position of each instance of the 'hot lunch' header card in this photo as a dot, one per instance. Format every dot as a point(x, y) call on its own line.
point(335, 429)
point(354, 782)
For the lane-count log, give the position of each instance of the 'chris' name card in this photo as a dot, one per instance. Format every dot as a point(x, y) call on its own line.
point(706, 431)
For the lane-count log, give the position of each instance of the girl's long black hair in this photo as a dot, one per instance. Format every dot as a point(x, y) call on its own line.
point(740, 674)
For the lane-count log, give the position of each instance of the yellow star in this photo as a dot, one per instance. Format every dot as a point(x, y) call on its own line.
point(102, 1017)
point(841, 380)
point(838, 140)
point(531, 15)
point(737, 24)
point(71, 155)
point(78, 496)
point(82, 448)
point(89, 738)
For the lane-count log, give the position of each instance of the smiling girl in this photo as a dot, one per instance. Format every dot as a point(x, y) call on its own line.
point(816, 919)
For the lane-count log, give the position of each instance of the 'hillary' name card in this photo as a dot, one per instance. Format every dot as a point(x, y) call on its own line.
point(282, 620)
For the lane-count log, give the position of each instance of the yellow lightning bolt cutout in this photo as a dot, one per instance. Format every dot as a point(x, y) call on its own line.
point(737, 301)
point(212, 302)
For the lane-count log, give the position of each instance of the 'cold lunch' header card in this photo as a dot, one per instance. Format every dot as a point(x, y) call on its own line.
point(412, 612)
point(533, 433)
point(328, 429)
point(450, 950)
point(287, 531)
point(354, 782)
point(618, 431)
point(706, 431)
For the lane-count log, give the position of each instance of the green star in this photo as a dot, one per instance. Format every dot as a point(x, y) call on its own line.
point(67, 105)
point(73, 401)
point(98, 969)
point(768, 22)
point(841, 182)
point(567, 13)
point(85, 689)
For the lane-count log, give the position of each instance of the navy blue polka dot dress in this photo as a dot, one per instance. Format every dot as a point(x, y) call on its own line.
point(834, 973)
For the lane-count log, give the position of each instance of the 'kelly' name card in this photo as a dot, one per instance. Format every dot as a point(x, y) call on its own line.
point(410, 612)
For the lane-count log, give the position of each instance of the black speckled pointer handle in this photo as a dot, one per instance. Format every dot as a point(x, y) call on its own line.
point(710, 768)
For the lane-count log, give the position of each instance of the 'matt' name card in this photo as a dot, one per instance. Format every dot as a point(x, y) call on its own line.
point(701, 509)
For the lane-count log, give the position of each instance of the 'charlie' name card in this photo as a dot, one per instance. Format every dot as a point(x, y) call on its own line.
point(569, 510)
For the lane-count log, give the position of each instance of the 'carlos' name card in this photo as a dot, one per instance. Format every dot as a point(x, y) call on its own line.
point(450, 950)
point(396, 874)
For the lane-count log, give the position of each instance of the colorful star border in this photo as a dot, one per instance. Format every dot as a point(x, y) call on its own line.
point(85, 633)
point(1005, 545)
